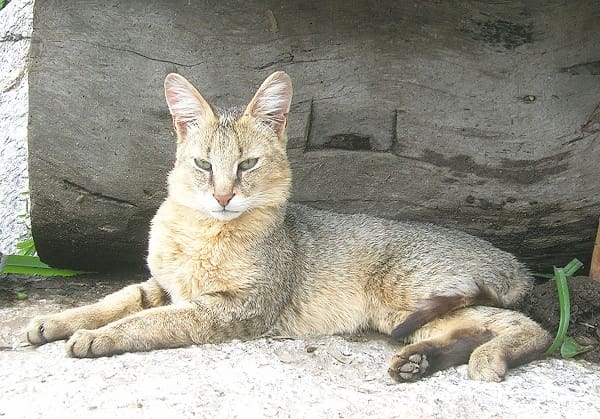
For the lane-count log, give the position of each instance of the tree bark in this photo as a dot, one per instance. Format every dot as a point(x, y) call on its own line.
point(480, 116)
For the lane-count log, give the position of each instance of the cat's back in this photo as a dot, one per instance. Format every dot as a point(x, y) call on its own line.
point(309, 224)
point(359, 237)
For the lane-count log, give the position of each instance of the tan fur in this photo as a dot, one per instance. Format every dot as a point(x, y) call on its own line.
point(231, 258)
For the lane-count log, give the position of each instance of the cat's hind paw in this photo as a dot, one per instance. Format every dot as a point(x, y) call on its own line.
point(487, 365)
point(407, 369)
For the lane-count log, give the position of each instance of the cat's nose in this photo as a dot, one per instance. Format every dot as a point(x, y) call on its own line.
point(223, 199)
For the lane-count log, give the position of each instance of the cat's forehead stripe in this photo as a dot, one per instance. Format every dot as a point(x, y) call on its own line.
point(228, 116)
point(224, 142)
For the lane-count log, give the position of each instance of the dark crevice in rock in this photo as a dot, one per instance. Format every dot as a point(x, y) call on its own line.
point(98, 196)
point(590, 68)
point(160, 60)
point(351, 141)
point(522, 172)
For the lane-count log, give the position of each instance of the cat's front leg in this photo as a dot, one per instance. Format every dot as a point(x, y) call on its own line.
point(162, 327)
point(58, 326)
point(172, 326)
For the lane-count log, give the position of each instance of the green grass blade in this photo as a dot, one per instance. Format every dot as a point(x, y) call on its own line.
point(32, 265)
point(565, 309)
point(572, 267)
point(28, 270)
point(25, 261)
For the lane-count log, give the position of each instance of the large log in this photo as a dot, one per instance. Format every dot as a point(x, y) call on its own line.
point(480, 116)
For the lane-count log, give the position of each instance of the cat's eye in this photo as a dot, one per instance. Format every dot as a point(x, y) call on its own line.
point(247, 164)
point(203, 165)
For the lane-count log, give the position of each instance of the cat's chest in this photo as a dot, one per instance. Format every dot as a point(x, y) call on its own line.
point(189, 266)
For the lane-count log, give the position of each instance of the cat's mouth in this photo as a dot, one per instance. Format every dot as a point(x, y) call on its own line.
point(225, 214)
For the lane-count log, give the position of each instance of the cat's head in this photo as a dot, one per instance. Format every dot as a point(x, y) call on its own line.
point(231, 162)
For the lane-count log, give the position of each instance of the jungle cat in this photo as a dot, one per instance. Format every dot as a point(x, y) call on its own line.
point(231, 258)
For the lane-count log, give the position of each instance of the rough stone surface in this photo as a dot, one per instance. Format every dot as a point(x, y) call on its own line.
point(15, 33)
point(476, 115)
point(340, 376)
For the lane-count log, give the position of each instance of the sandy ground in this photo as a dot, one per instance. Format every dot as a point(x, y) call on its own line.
point(338, 376)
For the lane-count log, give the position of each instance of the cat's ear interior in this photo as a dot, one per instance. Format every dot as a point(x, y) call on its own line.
point(271, 103)
point(186, 104)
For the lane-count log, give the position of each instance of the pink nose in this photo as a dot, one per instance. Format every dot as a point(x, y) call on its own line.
point(223, 199)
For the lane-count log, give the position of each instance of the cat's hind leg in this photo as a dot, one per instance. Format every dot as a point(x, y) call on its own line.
point(131, 299)
point(490, 339)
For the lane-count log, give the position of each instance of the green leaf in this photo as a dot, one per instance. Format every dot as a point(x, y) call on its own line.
point(571, 348)
point(26, 247)
point(565, 309)
point(564, 301)
point(572, 267)
point(21, 296)
point(25, 261)
point(32, 265)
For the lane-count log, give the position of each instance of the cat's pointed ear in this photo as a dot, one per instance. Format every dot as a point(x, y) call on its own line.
point(271, 103)
point(186, 105)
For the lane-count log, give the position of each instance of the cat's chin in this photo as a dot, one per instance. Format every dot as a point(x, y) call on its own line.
point(225, 215)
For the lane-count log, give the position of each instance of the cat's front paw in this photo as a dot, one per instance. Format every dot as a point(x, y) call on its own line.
point(44, 329)
point(91, 344)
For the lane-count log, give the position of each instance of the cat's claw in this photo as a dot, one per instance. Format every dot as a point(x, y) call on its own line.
point(36, 336)
point(44, 329)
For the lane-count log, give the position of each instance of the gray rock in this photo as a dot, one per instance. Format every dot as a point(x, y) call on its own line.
point(479, 116)
point(15, 32)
